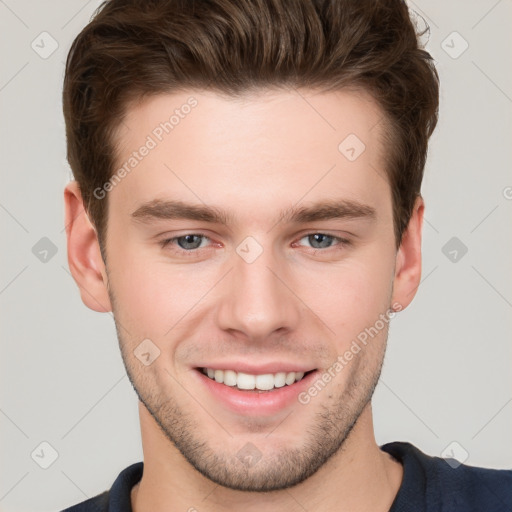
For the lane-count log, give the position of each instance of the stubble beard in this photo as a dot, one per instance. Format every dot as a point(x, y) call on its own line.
point(323, 437)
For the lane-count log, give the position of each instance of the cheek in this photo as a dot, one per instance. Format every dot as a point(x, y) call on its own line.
point(352, 295)
point(153, 296)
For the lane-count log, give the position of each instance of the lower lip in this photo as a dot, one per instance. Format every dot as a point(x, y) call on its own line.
point(254, 403)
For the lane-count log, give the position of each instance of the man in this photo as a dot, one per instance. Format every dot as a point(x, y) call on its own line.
point(247, 204)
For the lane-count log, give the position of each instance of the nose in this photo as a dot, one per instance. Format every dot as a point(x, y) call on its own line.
point(257, 300)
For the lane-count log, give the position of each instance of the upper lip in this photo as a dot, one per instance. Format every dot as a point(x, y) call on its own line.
point(260, 369)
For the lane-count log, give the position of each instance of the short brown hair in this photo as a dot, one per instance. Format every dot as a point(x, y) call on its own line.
point(137, 48)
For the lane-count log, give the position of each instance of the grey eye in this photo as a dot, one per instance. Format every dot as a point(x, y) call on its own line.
point(190, 241)
point(320, 240)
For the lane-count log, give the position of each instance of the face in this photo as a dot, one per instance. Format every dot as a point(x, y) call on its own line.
point(249, 250)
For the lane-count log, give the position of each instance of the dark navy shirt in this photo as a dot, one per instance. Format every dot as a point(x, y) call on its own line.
point(429, 484)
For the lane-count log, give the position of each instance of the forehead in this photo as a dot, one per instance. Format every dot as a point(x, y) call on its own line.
point(256, 149)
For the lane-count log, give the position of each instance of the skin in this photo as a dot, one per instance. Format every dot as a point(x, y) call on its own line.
point(297, 302)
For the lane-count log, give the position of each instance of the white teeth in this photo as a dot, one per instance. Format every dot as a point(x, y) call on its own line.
point(279, 379)
point(246, 381)
point(265, 382)
point(229, 378)
point(290, 378)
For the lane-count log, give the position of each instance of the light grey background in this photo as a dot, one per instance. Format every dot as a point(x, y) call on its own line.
point(447, 375)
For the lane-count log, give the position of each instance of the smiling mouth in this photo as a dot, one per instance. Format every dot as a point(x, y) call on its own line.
point(249, 382)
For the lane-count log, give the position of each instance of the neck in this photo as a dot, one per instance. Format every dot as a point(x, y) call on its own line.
point(359, 476)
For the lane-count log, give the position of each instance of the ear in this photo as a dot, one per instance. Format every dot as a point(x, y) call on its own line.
point(84, 256)
point(408, 259)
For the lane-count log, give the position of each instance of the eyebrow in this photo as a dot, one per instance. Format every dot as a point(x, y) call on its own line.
point(322, 210)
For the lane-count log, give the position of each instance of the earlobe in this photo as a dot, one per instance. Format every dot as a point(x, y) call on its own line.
point(408, 259)
point(84, 256)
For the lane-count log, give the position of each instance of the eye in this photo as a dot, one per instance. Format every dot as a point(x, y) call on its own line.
point(188, 242)
point(324, 241)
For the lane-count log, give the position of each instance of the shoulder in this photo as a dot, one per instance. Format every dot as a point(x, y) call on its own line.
point(97, 504)
point(451, 486)
point(118, 498)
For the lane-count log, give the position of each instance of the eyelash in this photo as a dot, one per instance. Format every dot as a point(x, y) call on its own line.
point(341, 242)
